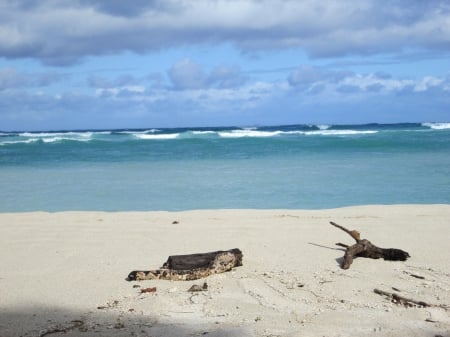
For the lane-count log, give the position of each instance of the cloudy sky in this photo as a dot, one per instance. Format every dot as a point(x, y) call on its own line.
point(78, 64)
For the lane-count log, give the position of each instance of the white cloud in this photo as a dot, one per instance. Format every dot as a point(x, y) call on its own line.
point(62, 32)
point(428, 82)
point(314, 80)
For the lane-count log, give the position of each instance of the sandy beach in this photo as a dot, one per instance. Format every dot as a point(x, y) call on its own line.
point(63, 274)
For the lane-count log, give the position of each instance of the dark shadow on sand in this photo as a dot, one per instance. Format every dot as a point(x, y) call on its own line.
point(40, 321)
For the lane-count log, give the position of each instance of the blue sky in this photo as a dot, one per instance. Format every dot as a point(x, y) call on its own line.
point(81, 64)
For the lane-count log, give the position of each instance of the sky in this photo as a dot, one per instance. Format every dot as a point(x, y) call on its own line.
point(104, 64)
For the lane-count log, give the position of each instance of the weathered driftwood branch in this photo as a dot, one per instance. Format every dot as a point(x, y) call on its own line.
point(364, 248)
point(397, 299)
point(192, 266)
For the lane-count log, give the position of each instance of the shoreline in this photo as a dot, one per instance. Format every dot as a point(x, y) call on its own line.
point(59, 268)
point(229, 209)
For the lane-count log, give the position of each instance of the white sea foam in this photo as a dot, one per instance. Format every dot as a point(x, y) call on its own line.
point(248, 133)
point(203, 132)
point(323, 126)
point(437, 126)
point(324, 131)
point(86, 134)
point(25, 141)
point(52, 139)
point(151, 134)
point(58, 139)
point(143, 132)
point(159, 136)
point(32, 134)
point(339, 132)
point(298, 132)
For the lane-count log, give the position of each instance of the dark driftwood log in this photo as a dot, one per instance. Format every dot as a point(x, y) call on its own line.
point(364, 248)
point(192, 266)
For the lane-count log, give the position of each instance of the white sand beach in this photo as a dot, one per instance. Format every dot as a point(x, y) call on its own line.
point(63, 274)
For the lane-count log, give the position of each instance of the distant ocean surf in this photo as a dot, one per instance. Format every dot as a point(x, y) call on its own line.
point(290, 167)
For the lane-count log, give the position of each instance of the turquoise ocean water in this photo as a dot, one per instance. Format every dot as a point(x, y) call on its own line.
point(292, 167)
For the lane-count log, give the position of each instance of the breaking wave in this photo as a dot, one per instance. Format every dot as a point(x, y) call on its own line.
point(291, 131)
point(437, 126)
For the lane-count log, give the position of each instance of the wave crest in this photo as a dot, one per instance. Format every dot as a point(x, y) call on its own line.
point(437, 126)
point(161, 136)
point(248, 133)
point(340, 132)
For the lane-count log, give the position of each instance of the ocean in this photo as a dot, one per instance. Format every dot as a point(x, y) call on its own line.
point(173, 169)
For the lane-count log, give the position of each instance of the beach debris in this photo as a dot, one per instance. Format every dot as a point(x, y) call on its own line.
point(397, 299)
point(414, 275)
point(192, 266)
point(175, 222)
point(364, 248)
point(109, 305)
point(59, 328)
point(148, 290)
point(196, 287)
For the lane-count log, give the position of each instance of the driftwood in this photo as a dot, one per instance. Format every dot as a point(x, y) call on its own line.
point(409, 302)
point(192, 266)
point(364, 248)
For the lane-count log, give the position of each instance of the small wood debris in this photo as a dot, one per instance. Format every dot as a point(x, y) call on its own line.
point(408, 302)
point(196, 287)
point(109, 305)
point(148, 290)
point(414, 275)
